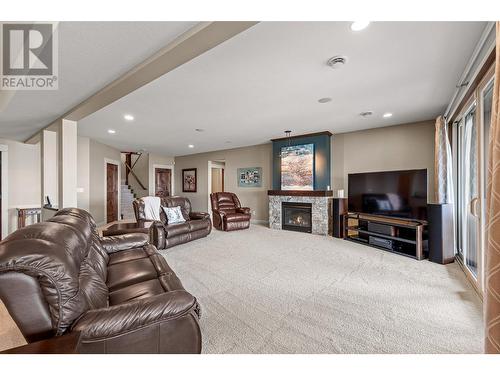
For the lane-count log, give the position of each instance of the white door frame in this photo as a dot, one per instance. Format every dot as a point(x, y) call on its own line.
point(117, 163)
point(209, 186)
point(153, 176)
point(4, 149)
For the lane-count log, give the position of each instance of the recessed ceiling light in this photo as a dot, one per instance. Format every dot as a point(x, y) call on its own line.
point(387, 115)
point(199, 130)
point(359, 25)
point(111, 131)
point(336, 62)
point(325, 100)
point(191, 146)
point(128, 117)
point(366, 114)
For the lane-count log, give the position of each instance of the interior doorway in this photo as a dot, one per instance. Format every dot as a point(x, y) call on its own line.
point(163, 182)
point(216, 178)
point(112, 183)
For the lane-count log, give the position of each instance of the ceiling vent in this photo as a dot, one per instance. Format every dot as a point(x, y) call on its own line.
point(366, 114)
point(336, 62)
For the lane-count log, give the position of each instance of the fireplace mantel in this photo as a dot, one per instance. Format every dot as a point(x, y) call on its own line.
point(302, 193)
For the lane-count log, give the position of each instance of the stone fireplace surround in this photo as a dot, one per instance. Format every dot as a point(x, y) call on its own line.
point(321, 202)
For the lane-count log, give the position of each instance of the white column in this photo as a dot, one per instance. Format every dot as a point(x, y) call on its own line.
point(67, 176)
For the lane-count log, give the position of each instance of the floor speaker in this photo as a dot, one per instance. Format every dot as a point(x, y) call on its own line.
point(441, 235)
point(339, 210)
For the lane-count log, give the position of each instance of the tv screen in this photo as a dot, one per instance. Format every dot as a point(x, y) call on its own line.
point(395, 193)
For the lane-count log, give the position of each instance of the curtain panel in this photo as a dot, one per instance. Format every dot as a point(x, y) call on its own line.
point(443, 167)
point(492, 269)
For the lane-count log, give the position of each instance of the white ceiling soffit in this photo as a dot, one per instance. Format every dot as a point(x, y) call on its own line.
point(269, 78)
point(91, 55)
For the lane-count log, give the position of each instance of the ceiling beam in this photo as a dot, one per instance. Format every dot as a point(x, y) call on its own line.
point(191, 44)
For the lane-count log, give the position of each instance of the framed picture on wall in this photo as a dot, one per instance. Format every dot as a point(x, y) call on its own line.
point(189, 180)
point(250, 177)
point(297, 167)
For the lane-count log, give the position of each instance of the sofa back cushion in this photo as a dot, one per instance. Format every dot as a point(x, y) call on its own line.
point(63, 271)
point(225, 202)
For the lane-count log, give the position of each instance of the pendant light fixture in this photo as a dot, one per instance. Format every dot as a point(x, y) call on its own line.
point(284, 150)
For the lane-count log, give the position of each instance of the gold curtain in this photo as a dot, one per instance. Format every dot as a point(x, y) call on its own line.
point(443, 179)
point(492, 293)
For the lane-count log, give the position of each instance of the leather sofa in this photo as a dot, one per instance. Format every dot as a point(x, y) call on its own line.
point(227, 212)
point(59, 277)
point(164, 235)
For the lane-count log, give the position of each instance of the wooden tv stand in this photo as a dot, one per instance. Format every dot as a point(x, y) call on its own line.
point(400, 236)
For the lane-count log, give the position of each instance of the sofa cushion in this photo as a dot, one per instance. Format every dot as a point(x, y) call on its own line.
point(132, 292)
point(131, 272)
point(127, 255)
point(198, 225)
point(177, 229)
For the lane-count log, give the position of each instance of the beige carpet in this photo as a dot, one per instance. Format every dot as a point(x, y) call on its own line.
point(265, 291)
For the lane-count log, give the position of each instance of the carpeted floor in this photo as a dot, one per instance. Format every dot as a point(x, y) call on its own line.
point(266, 291)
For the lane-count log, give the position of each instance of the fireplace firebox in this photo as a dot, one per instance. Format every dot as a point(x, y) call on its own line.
point(296, 216)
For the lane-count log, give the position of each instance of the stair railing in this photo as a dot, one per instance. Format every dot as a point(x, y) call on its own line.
point(129, 168)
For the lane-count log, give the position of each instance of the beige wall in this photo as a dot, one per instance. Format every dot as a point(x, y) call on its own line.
point(254, 156)
point(408, 146)
point(24, 180)
point(83, 169)
point(98, 152)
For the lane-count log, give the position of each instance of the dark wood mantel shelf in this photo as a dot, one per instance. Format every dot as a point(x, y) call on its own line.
point(302, 193)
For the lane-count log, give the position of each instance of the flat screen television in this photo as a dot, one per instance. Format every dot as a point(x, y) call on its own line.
point(400, 194)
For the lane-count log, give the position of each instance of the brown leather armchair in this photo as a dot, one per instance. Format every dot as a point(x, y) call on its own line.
point(118, 292)
point(164, 235)
point(227, 212)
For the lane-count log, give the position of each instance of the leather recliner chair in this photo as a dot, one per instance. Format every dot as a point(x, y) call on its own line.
point(164, 235)
point(59, 276)
point(227, 212)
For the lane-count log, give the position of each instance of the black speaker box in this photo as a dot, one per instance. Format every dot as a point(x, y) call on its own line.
point(441, 233)
point(338, 212)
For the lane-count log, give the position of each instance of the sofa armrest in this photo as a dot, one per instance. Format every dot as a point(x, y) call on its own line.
point(157, 234)
point(106, 323)
point(199, 215)
point(112, 244)
point(243, 210)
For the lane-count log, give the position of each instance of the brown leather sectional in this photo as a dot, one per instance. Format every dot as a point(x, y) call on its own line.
point(164, 235)
point(227, 212)
point(59, 277)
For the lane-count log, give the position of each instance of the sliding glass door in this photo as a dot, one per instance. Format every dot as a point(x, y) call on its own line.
point(471, 137)
point(467, 202)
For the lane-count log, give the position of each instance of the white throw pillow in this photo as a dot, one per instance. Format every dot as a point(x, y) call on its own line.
point(174, 215)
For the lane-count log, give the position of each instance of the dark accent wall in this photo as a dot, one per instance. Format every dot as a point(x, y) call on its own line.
point(321, 159)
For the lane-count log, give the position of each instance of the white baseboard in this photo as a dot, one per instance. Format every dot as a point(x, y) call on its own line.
point(261, 222)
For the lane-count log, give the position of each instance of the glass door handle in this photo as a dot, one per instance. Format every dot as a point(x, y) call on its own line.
point(473, 206)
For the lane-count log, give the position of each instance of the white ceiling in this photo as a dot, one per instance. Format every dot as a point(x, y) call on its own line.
point(269, 78)
point(91, 55)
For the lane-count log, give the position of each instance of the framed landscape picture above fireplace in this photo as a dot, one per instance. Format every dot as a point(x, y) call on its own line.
point(297, 167)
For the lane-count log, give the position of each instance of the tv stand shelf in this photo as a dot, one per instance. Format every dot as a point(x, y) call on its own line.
point(400, 236)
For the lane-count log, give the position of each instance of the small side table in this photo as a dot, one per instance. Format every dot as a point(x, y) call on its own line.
point(124, 228)
point(65, 344)
point(24, 213)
